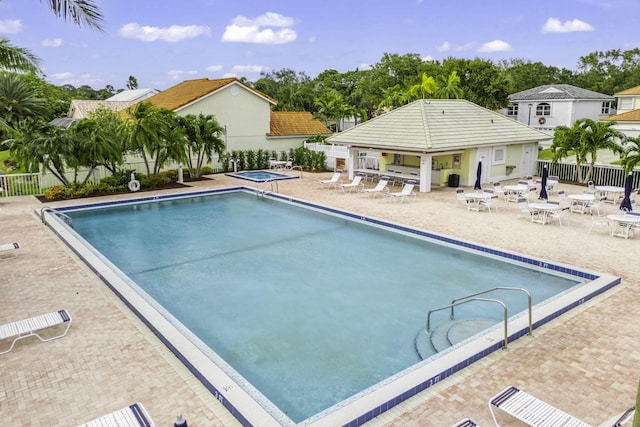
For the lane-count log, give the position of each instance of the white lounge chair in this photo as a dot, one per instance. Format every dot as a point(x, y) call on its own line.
point(333, 182)
point(407, 190)
point(355, 183)
point(534, 412)
point(132, 416)
point(9, 250)
point(381, 187)
point(465, 423)
point(30, 327)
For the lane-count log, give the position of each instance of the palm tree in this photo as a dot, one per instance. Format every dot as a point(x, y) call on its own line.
point(450, 87)
point(202, 136)
point(132, 83)
point(631, 154)
point(568, 141)
point(597, 136)
point(142, 127)
point(81, 12)
point(427, 88)
point(18, 100)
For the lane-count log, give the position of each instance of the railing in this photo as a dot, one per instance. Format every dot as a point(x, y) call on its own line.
point(504, 307)
point(262, 190)
point(66, 218)
point(20, 184)
point(499, 288)
point(601, 175)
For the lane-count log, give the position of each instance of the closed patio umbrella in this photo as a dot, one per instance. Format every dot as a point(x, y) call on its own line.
point(626, 201)
point(543, 190)
point(478, 176)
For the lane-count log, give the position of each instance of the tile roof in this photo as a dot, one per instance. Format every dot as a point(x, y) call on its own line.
point(558, 92)
point(630, 91)
point(189, 91)
point(436, 125)
point(81, 108)
point(629, 116)
point(284, 123)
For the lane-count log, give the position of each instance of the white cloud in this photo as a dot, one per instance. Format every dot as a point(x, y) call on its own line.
point(312, 39)
point(52, 43)
point(245, 30)
point(269, 19)
point(447, 46)
point(175, 74)
point(427, 58)
point(248, 69)
point(214, 68)
point(364, 66)
point(62, 76)
point(555, 26)
point(495, 46)
point(10, 26)
point(174, 33)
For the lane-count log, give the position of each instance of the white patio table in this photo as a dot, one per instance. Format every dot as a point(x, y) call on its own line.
point(623, 225)
point(512, 192)
point(543, 210)
point(611, 193)
point(474, 200)
point(580, 202)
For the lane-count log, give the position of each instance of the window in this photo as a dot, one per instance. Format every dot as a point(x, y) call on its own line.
point(606, 107)
point(513, 110)
point(498, 155)
point(625, 103)
point(543, 109)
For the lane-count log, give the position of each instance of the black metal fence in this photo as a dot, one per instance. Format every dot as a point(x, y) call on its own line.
point(601, 175)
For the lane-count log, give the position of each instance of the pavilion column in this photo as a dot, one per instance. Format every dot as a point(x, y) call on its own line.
point(425, 173)
point(351, 161)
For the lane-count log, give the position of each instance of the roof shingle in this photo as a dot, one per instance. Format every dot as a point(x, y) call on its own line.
point(284, 123)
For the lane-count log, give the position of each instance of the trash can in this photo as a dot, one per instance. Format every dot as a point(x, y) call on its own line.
point(454, 180)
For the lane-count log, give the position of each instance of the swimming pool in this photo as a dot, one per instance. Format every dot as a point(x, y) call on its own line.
point(260, 176)
point(381, 390)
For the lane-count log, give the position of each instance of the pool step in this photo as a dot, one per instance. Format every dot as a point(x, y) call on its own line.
point(449, 333)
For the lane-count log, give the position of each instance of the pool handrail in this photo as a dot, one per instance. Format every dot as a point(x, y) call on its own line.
point(504, 288)
point(504, 306)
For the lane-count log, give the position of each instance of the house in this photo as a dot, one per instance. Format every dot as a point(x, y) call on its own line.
point(440, 138)
point(244, 112)
point(133, 95)
point(548, 106)
point(628, 114)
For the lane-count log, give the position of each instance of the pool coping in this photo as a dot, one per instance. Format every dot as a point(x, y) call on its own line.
point(281, 176)
point(373, 401)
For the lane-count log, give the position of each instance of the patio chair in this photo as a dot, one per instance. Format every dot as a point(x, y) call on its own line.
point(562, 196)
point(523, 207)
point(9, 250)
point(289, 164)
point(534, 412)
point(491, 202)
point(353, 184)
point(460, 197)
point(30, 327)
point(134, 415)
point(407, 190)
point(596, 205)
point(497, 189)
point(559, 213)
point(599, 221)
point(552, 184)
point(380, 188)
point(532, 194)
point(333, 182)
point(465, 423)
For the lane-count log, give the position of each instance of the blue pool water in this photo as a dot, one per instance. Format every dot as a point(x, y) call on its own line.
point(309, 308)
point(260, 176)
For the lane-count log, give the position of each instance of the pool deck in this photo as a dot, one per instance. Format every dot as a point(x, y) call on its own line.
point(586, 362)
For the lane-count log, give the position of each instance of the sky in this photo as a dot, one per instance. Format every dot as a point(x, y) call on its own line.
point(163, 43)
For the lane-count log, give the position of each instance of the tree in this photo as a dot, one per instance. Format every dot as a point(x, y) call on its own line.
point(584, 138)
point(132, 83)
point(427, 88)
point(18, 100)
point(202, 141)
point(631, 154)
point(449, 87)
point(81, 12)
point(103, 139)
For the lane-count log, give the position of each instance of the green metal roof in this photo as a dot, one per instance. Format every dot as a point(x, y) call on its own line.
point(436, 125)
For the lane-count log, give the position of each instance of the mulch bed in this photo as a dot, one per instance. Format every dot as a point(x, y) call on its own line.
point(168, 186)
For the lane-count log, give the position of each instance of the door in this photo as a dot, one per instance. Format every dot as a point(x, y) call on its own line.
point(482, 155)
point(528, 154)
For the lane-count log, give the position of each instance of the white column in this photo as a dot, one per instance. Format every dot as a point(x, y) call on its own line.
point(353, 154)
point(425, 173)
